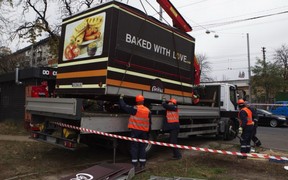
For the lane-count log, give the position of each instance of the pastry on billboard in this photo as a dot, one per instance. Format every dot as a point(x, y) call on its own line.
point(80, 29)
point(79, 39)
point(72, 39)
point(95, 21)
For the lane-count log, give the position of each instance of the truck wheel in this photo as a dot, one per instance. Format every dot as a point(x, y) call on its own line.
point(230, 135)
point(273, 123)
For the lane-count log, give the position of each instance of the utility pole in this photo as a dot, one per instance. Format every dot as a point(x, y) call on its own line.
point(264, 72)
point(249, 69)
point(264, 58)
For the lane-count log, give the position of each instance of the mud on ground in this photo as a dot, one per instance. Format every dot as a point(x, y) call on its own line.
point(36, 160)
point(207, 165)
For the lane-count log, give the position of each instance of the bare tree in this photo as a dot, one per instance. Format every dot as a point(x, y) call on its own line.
point(31, 29)
point(4, 51)
point(3, 20)
point(40, 25)
point(70, 7)
point(8, 63)
point(281, 58)
point(88, 3)
point(7, 1)
point(67, 7)
point(34, 23)
point(205, 68)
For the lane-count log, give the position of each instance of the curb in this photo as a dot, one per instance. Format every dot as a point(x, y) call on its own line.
point(16, 138)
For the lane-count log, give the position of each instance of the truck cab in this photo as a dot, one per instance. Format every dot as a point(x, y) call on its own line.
point(228, 95)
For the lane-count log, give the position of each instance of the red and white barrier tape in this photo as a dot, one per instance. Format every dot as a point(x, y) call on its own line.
point(261, 104)
point(254, 155)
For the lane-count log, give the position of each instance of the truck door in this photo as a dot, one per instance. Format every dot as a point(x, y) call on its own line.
point(228, 97)
point(232, 102)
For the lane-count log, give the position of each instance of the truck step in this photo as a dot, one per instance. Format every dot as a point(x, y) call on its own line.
point(58, 141)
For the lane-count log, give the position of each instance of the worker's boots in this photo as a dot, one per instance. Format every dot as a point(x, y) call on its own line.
point(258, 143)
point(135, 164)
point(142, 165)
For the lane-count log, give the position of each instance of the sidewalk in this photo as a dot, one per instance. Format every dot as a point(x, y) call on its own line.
point(16, 138)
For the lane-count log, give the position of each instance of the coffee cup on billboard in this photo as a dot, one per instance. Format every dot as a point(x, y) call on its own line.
point(92, 48)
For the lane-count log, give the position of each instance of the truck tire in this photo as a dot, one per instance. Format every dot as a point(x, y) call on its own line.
point(230, 124)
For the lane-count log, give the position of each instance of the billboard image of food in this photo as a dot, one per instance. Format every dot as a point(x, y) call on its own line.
point(84, 38)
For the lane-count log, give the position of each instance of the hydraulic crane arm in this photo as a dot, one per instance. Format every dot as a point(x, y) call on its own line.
point(197, 71)
point(178, 21)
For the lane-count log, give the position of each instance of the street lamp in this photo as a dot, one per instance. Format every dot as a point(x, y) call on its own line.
point(248, 55)
point(215, 35)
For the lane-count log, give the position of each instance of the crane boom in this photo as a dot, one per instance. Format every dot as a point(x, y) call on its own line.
point(178, 21)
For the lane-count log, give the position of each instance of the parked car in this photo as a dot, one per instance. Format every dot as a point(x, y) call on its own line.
point(280, 108)
point(267, 118)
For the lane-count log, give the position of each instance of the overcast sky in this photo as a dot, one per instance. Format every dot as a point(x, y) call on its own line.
point(229, 19)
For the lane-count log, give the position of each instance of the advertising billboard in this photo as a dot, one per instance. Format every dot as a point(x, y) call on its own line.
point(84, 38)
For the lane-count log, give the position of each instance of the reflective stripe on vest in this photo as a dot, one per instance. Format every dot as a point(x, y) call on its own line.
point(172, 116)
point(249, 116)
point(140, 120)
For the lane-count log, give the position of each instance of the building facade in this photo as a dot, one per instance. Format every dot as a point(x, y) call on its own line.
point(14, 90)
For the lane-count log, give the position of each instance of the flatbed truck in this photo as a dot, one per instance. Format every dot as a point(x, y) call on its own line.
point(115, 49)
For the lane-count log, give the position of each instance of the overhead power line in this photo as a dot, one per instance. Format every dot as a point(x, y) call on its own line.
point(191, 4)
point(240, 20)
point(258, 13)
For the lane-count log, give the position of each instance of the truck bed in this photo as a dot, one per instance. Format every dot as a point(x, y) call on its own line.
point(63, 109)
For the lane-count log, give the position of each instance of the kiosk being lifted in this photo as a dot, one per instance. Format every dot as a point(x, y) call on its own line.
point(115, 49)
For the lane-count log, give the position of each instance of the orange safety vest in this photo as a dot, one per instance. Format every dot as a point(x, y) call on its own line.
point(140, 120)
point(172, 116)
point(249, 116)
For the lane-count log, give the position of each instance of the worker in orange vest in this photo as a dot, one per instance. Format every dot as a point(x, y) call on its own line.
point(171, 124)
point(254, 138)
point(140, 125)
point(246, 126)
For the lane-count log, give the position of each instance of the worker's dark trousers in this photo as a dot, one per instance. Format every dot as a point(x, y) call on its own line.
point(246, 139)
point(173, 140)
point(255, 140)
point(137, 148)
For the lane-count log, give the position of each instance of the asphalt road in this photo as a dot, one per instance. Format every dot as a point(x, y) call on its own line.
point(271, 138)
